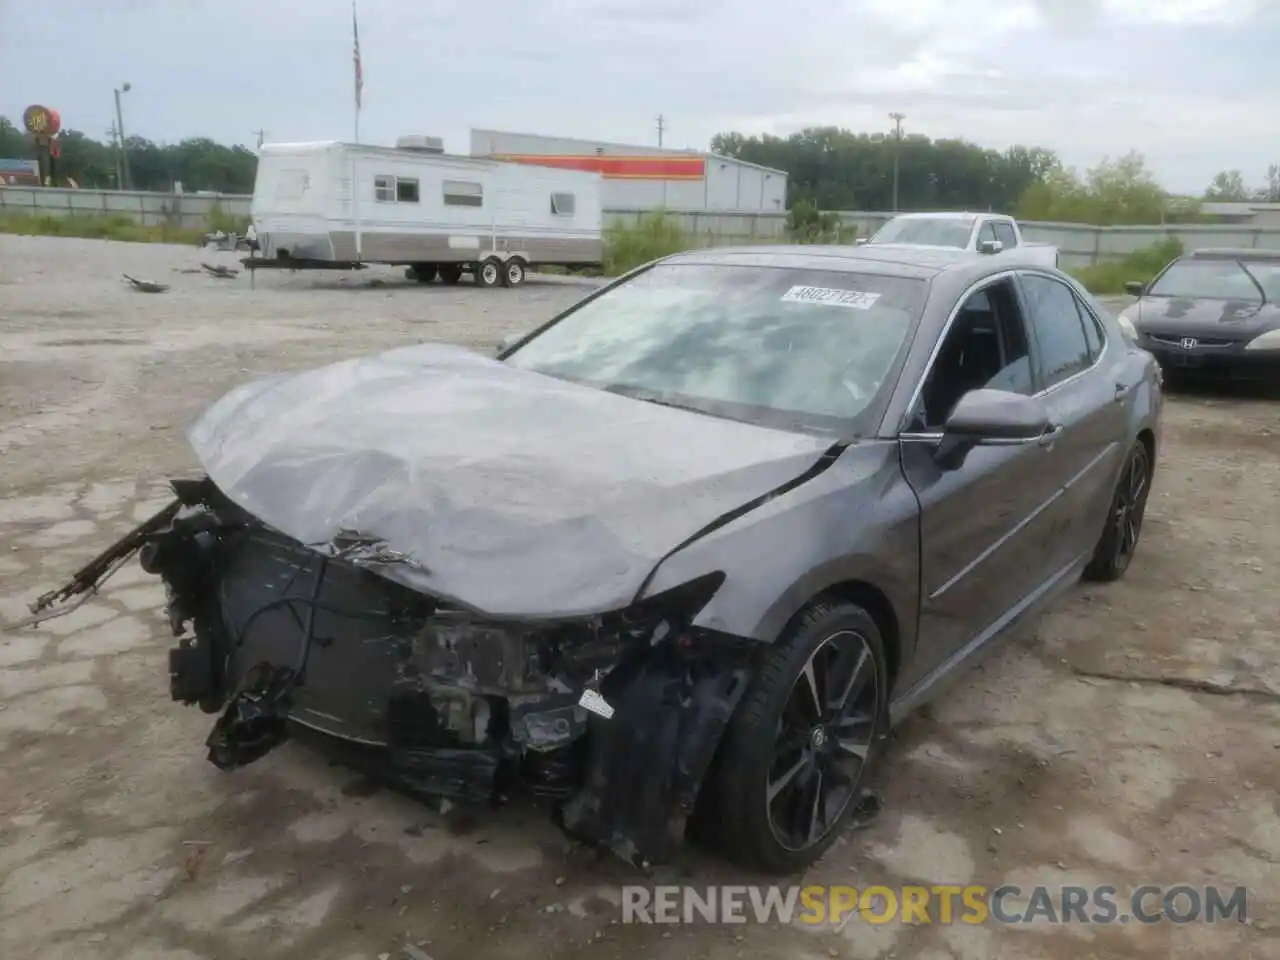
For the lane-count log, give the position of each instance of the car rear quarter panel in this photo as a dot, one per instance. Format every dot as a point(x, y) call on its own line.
point(857, 522)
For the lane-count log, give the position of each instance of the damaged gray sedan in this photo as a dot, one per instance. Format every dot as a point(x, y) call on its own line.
point(680, 556)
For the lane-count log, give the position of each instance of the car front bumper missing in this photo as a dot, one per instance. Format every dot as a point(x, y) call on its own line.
point(616, 718)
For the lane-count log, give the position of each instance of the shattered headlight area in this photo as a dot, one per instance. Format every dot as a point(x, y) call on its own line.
point(616, 717)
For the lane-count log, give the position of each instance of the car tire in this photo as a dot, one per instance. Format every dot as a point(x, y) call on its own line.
point(513, 273)
point(773, 746)
point(489, 273)
point(1119, 540)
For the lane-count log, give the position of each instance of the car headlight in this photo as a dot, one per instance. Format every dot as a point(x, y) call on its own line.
point(1266, 341)
point(1127, 327)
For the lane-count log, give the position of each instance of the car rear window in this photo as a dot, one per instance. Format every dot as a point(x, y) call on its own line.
point(933, 232)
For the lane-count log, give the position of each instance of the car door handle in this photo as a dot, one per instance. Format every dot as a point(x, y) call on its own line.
point(1120, 391)
point(1050, 435)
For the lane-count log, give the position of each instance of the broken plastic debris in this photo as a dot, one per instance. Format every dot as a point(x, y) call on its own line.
point(593, 702)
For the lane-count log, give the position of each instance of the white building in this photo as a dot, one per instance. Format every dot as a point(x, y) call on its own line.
point(648, 178)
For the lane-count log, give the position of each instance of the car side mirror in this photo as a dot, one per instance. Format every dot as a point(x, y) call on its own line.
point(990, 246)
point(1135, 288)
point(992, 418)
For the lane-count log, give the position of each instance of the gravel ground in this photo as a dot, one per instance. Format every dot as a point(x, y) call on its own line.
point(1133, 738)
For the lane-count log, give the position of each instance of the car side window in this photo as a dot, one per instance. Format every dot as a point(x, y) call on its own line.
point(1058, 329)
point(985, 347)
point(988, 232)
point(1005, 234)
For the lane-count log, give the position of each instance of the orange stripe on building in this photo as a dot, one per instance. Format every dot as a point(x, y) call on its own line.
point(615, 167)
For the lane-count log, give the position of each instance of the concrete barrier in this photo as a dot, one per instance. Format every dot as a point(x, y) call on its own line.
point(1080, 244)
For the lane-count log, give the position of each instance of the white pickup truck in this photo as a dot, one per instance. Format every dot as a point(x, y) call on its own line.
point(983, 233)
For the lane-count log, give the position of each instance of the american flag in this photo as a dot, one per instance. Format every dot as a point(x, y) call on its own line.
point(355, 32)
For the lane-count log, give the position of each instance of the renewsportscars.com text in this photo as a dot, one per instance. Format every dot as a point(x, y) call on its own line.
point(937, 904)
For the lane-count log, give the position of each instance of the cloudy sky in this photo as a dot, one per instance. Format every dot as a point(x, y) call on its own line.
point(1190, 83)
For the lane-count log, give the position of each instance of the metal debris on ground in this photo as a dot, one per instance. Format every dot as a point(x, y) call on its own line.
point(146, 286)
point(866, 810)
point(221, 240)
point(220, 272)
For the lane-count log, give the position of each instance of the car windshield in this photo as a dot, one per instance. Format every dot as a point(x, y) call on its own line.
point(1213, 279)
point(934, 232)
point(799, 349)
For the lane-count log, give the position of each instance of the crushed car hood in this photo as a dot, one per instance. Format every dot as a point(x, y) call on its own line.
point(509, 492)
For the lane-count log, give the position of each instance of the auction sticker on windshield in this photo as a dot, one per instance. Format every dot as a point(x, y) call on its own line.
point(854, 299)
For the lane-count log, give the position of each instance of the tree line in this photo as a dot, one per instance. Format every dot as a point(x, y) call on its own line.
point(828, 168)
point(835, 169)
point(197, 164)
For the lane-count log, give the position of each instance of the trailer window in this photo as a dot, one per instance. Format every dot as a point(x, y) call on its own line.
point(406, 190)
point(462, 193)
point(562, 204)
point(384, 189)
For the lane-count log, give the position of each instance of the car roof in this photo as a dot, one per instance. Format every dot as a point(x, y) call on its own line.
point(897, 260)
point(962, 215)
point(1233, 253)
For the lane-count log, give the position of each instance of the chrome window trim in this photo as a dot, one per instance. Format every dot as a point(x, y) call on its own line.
point(969, 291)
point(1106, 341)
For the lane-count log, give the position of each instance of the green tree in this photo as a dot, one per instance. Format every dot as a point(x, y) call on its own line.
point(1227, 185)
point(197, 163)
point(1271, 192)
point(1120, 190)
point(838, 169)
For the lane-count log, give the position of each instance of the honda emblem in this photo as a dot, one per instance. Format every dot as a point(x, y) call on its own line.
point(1188, 343)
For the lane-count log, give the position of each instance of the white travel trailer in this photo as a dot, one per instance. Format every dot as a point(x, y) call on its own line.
point(414, 205)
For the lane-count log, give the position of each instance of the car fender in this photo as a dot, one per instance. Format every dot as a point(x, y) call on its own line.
point(857, 522)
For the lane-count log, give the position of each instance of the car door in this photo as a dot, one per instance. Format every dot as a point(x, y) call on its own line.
point(1079, 384)
point(984, 524)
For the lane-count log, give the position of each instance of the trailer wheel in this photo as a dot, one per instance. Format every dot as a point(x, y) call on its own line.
point(489, 273)
point(450, 272)
point(422, 272)
point(513, 272)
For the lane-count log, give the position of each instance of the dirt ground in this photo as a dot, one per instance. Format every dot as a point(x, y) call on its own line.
point(118, 839)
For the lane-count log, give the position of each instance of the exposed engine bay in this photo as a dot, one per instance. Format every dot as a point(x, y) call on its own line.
point(615, 717)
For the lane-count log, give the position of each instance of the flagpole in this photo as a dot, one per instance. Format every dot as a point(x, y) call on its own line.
point(355, 168)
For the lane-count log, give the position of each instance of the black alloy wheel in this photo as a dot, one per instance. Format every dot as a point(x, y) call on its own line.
point(797, 751)
point(1119, 539)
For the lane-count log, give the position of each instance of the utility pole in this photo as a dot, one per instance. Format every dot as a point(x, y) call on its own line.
point(662, 126)
point(261, 135)
point(897, 119)
point(127, 182)
point(114, 134)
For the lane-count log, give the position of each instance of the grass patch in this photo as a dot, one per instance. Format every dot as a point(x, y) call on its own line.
point(1110, 276)
point(654, 235)
point(219, 219)
point(96, 227)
